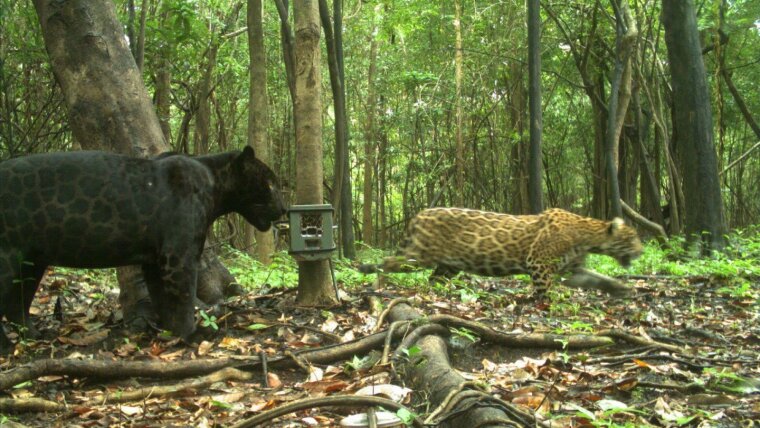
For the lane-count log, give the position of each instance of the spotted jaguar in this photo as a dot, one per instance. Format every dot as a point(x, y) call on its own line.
point(452, 240)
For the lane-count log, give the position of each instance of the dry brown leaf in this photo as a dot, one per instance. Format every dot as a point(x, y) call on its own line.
point(273, 380)
point(325, 386)
point(204, 347)
point(87, 340)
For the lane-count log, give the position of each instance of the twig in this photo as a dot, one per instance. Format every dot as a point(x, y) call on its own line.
point(264, 369)
point(691, 388)
point(300, 361)
point(334, 400)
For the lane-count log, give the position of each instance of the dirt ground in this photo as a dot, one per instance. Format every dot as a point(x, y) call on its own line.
point(708, 376)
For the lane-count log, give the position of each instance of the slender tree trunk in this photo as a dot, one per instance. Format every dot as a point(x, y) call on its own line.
point(140, 47)
point(368, 231)
point(458, 65)
point(620, 95)
point(314, 279)
point(518, 192)
point(347, 208)
point(534, 105)
point(258, 116)
point(288, 52)
point(342, 181)
point(693, 126)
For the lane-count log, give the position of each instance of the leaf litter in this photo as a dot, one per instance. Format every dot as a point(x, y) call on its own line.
point(714, 382)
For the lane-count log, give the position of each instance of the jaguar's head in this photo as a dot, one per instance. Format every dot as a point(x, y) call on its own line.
point(622, 242)
point(259, 198)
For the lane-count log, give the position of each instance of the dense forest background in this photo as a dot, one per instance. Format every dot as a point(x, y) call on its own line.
point(408, 106)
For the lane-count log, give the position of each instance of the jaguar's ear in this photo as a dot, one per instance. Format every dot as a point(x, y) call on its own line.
point(615, 225)
point(248, 153)
point(246, 157)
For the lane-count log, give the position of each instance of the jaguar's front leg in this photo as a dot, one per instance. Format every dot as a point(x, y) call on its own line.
point(542, 278)
point(590, 280)
point(172, 284)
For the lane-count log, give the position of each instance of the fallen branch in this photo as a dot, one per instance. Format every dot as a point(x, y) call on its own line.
point(334, 400)
point(107, 370)
point(29, 405)
point(165, 391)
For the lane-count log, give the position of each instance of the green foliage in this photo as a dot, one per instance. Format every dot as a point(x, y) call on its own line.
point(251, 274)
point(208, 320)
point(406, 416)
point(740, 259)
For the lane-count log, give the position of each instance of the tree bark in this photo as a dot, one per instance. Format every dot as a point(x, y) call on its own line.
point(458, 65)
point(314, 279)
point(693, 126)
point(534, 106)
point(368, 230)
point(108, 106)
point(258, 116)
point(342, 179)
point(620, 95)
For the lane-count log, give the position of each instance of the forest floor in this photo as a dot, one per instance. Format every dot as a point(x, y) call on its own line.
point(706, 373)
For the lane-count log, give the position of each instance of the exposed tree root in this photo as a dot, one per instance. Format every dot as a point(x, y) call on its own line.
point(639, 340)
point(530, 340)
point(103, 369)
point(430, 371)
point(31, 404)
point(182, 388)
point(333, 401)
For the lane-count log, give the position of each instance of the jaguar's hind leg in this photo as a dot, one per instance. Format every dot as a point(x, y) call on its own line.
point(442, 273)
point(18, 283)
point(23, 290)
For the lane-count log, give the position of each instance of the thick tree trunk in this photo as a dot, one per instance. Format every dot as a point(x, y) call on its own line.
point(108, 105)
point(258, 116)
point(693, 126)
point(534, 105)
point(314, 279)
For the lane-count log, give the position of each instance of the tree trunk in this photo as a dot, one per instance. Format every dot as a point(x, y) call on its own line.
point(314, 279)
point(458, 65)
point(368, 230)
point(693, 126)
point(258, 116)
point(342, 179)
point(534, 105)
point(518, 192)
point(108, 105)
point(620, 95)
point(347, 237)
